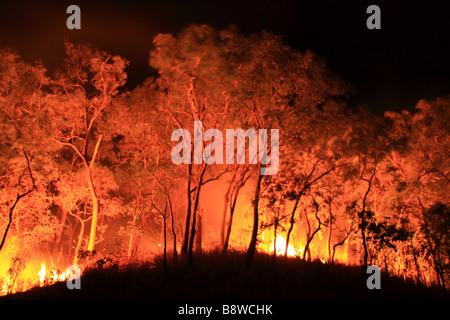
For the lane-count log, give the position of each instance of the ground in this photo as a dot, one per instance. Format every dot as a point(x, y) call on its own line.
point(215, 277)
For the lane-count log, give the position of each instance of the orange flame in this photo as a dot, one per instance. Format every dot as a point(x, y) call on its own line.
point(29, 280)
point(41, 274)
point(280, 246)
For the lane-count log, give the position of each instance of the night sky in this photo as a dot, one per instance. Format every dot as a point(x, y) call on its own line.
point(391, 68)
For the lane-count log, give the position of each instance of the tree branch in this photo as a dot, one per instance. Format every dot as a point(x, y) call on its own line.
point(18, 197)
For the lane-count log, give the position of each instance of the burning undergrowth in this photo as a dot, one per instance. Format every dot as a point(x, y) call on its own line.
point(215, 276)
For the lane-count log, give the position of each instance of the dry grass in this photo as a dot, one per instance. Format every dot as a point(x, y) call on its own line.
point(217, 277)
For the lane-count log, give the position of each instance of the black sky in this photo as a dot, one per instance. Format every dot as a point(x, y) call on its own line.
point(391, 68)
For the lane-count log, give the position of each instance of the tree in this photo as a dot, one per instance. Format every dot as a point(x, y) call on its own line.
point(18, 197)
point(23, 173)
point(384, 237)
point(238, 180)
point(140, 134)
point(419, 161)
point(281, 88)
point(196, 79)
point(80, 95)
point(436, 227)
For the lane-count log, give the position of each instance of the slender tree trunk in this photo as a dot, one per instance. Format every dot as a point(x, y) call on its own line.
point(194, 216)
point(131, 241)
point(340, 244)
point(230, 221)
point(184, 247)
point(135, 239)
point(274, 246)
point(9, 222)
point(363, 235)
point(238, 185)
point(330, 230)
point(291, 223)
point(79, 242)
point(198, 239)
point(314, 233)
point(225, 210)
point(305, 187)
point(18, 197)
point(135, 246)
point(130, 246)
point(252, 246)
point(416, 264)
point(363, 219)
point(174, 234)
point(165, 247)
point(95, 210)
point(69, 251)
point(308, 236)
point(228, 232)
point(169, 205)
point(95, 204)
point(62, 223)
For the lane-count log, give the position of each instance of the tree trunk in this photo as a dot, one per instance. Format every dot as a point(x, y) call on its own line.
point(184, 247)
point(198, 239)
point(238, 184)
point(330, 230)
point(314, 233)
point(9, 222)
point(225, 210)
point(308, 236)
point(363, 235)
point(134, 246)
point(340, 244)
point(416, 264)
point(130, 245)
point(132, 240)
point(363, 219)
point(194, 216)
point(174, 234)
point(274, 246)
point(19, 196)
point(79, 241)
point(165, 247)
point(291, 223)
point(306, 186)
point(62, 223)
point(252, 246)
point(95, 204)
point(95, 210)
point(230, 221)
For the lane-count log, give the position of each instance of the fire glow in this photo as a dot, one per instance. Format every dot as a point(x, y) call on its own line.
point(281, 247)
point(115, 178)
point(213, 152)
point(30, 278)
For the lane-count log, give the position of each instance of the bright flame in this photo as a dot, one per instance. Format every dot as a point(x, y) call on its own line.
point(26, 281)
point(281, 247)
point(5, 287)
point(41, 274)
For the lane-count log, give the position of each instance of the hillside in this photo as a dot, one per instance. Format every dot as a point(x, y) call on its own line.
point(214, 277)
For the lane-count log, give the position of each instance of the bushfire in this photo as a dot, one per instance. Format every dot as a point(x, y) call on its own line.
point(15, 281)
point(89, 169)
